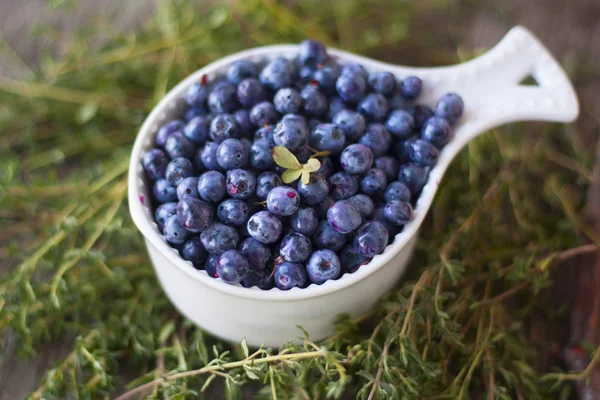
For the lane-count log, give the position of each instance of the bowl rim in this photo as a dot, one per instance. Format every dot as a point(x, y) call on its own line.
point(142, 216)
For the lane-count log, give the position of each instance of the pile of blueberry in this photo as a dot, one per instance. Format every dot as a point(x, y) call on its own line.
point(219, 193)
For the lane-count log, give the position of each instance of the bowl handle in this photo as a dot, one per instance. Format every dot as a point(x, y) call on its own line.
point(493, 92)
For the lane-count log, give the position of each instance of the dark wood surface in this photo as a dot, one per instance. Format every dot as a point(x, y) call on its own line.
point(569, 28)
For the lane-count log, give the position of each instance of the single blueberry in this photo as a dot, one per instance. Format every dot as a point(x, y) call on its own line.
point(295, 247)
point(423, 153)
point(351, 259)
point(287, 101)
point(206, 157)
point(342, 185)
point(351, 87)
point(188, 187)
point(397, 191)
point(240, 183)
point(211, 186)
point(373, 182)
point(232, 267)
point(198, 129)
point(327, 137)
point(383, 82)
point(326, 77)
point(450, 107)
point(323, 266)
point(194, 215)
point(210, 265)
point(400, 124)
point(288, 275)
point(325, 237)
point(306, 73)
point(356, 158)
point(291, 133)
point(363, 204)
point(240, 70)
point(163, 212)
point(193, 250)
point(436, 131)
point(174, 232)
point(266, 182)
point(374, 107)
point(224, 126)
point(264, 113)
point(223, 99)
point(177, 145)
point(315, 190)
point(196, 111)
point(278, 73)
point(251, 92)
point(411, 87)
point(257, 254)
point(312, 53)
point(261, 154)
point(344, 217)
point(219, 238)
point(179, 169)
point(242, 117)
point(262, 279)
point(304, 221)
point(402, 149)
point(336, 105)
point(167, 130)
point(265, 227)
point(420, 114)
point(377, 138)
point(283, 200)
point(397, 212)
point(232, 154)
point(371, 238)
point(389, 165)
point(164, 192)
point(398, 102)
point(265, 132)
point(196, 94)
point(355, 69)
point(414, 176)
point(233, 212)
point(314, 101)
point(155, 164)
point(351, 123)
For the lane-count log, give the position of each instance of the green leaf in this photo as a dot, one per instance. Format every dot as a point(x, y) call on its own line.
point(245, 347)
point(285, 158)
point(312, 165)
point(291, 175)
point(305, 177)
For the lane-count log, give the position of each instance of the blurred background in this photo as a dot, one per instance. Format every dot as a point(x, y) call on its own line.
point(77, 78)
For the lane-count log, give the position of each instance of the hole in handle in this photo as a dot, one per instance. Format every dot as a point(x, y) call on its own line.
point(530, 81)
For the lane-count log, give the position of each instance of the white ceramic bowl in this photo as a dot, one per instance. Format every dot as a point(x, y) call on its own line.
point(490, 88)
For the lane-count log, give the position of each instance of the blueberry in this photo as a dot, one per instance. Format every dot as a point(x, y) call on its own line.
point(240, 183)
point(155, 164)
point(313, 123)
point(163, 212)
point(436, 131)
point(327, 137)
point(303, 153)
point(179, 169)
point(423, 153)
point(206, 157)
point(383, 82)
point(188, 187)
point(322, 208)
point(323, 266)
point(257, 254)
point(325, 237)
point(283, 200)
point(350, 259)
point(336, 105)
point(247, 143)
point(400, 124)
point(251, 92)
point(342, 185)
point(397, 212)
point(389, 165)
point(397, 191)
point(198, 129)
point(224, 126)
point(265, 227)
point(262, 279)
point(287, 101)
point(355, 69)
point(326, 77)
point(265, 182)
point(420, 114)
point(193, 250)
point(211, 186)
point(304, 221)
point(174, 232)
point(219, 238)
point(312, 53)
point(167, 130)
point(288, 275)
point(164, 192)
point(363, 204)
point(223, 99)
point(326, 169)
point(306, 72)
point(373, 182)
point(411, 87)
point(240, 70)
point(414, 176)
point(261, 154)
point(356, 159)
point(314, 101)
point(232, 267)
point(374, 107)
point(402, 149)
point(450, 107)
point(194, 215)
point(210, 265)
point(315, 190)
point(351, 123)
point(177, 145)
point(196, 111)
point(233, 212)
point(398, 102)
point(264, 113)
point(242, 117)
point(196, 94)
point(278, 73)
point(351, 87)
point(371, 238)
point(231, 154)
point(344, 217)
point(295, 247)
point(291, 133)
point(377, 138)
point(265, 132)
